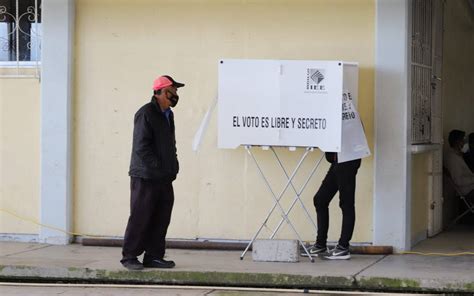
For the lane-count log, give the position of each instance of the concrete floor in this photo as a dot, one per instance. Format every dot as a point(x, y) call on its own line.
point(393, 273)
point(40, 290)
point(456, 240)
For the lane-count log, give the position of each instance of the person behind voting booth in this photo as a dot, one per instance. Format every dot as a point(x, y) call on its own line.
point(458, 170)
point(469, 154)
point(341, 177)
point(153, 167)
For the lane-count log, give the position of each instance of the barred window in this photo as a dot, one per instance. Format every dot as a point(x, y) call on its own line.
point(20, 30)
point(421, 68)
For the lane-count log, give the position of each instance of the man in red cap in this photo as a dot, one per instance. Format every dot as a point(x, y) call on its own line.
point(153, 167)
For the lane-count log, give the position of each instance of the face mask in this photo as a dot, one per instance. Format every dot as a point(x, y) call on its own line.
point(465, 148)
point(173, 99)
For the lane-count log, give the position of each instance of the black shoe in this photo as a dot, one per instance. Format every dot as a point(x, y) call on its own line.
point(315, 250)
point(158, 263)
point(338, 253)
point(132, 264)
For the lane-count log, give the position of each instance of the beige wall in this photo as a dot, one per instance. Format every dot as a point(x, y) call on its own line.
point(19, 154)
point(121, 46)
point(420, 174)
point(458, 68)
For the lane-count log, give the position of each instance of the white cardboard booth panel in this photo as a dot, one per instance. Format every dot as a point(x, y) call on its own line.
point(293, 103)
point(354, 143)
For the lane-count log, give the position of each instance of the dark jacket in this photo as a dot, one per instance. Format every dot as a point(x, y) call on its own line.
point(154, 145)
point(331, 157)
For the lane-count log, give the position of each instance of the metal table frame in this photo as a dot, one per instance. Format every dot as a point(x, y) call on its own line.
point(276, 199)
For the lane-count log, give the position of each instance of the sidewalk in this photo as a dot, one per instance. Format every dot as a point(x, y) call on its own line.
point(77, 263)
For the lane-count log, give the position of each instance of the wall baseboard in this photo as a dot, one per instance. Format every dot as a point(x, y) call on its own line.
point(223, 245)
point(19, 237)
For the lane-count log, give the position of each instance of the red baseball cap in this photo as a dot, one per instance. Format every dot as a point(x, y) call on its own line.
point(164, 81)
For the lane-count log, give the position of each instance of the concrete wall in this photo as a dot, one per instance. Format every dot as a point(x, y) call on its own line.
point(458, 68)
point(392, 197)
point(458, 78)
point(19, 154)
point(121, 46)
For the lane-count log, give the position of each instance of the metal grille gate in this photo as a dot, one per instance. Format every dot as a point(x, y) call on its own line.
point(421, 69)
point(20, 38)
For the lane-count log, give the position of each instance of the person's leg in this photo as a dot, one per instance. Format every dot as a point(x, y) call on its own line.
point(346, 179)
point(321, 201)
point(141, 205)
point(155, 248)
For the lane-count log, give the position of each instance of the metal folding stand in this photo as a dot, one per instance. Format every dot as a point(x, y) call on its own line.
point(276, 199)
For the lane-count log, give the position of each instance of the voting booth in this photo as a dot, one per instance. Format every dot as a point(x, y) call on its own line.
point(290, 103)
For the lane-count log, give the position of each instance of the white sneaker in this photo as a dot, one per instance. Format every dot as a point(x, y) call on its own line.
point(338, 253)
point(315, 250)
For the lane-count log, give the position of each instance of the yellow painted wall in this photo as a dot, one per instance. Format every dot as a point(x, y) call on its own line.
point(121, 46)
point(420, 195)
point(19, 154)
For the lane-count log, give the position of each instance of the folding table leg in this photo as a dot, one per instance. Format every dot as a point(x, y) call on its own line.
point(298, 197)
point(277, 201)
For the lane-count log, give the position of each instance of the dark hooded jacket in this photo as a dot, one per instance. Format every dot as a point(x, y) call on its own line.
point(154, 145)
